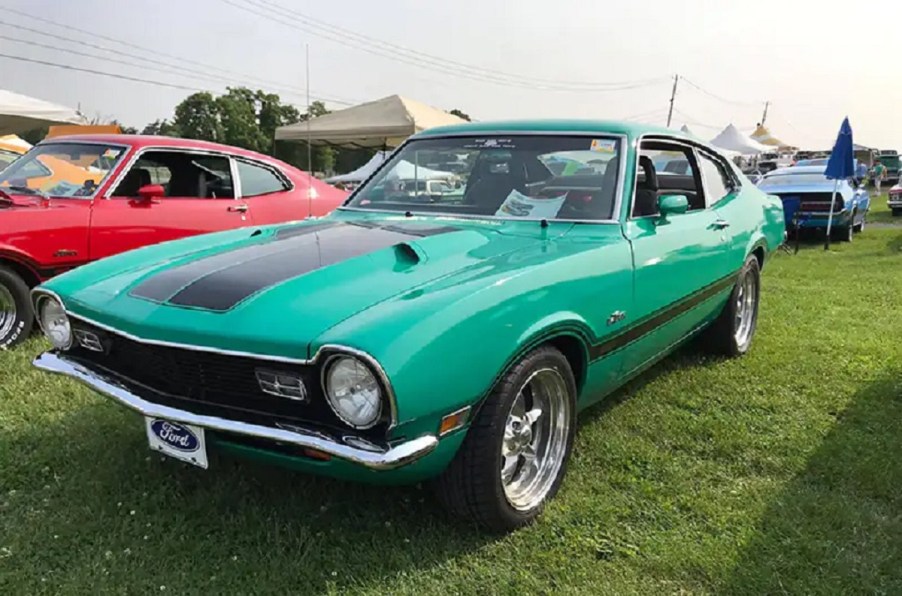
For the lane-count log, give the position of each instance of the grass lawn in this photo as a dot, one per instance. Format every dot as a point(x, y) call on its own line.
point(880, 212)
point(780, 472)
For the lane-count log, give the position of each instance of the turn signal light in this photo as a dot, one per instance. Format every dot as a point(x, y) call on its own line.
point(453, 421)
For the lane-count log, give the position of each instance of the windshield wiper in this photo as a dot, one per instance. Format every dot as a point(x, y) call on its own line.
point(29, 191)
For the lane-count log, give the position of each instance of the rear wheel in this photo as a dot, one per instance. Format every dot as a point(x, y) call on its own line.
point(732, 332)
point(515, 453)
point(897, 212)
point(843, 234)
point(16, 316)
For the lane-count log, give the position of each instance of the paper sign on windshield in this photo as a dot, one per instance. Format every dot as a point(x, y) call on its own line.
point(519, 205)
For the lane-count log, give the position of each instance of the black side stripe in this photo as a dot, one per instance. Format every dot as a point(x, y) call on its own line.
point(656, 320)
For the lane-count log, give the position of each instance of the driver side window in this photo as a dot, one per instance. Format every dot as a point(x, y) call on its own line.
point(666, 169)
point(182, 175)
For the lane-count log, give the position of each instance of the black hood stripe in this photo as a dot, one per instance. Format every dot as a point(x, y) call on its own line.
point(220, 282)
point(163, 286)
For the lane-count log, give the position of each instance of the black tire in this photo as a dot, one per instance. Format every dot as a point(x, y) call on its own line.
point(472, 487)
point(721, 336)
point(843, 234)
point(17, 318)
point(859, 227)
point(897, 212)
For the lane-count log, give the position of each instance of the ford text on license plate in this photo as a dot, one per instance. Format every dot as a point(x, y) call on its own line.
point(181, 441)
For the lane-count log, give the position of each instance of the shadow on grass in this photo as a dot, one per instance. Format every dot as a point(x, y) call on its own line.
point(238, 526)
point(836, 528)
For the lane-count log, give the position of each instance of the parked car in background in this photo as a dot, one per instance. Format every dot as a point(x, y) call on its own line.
point(890, 159)
point(11, 149)
point(807, 193)
point(450, 337)
point(894, 200)
point(72, 200)
point(821, 161)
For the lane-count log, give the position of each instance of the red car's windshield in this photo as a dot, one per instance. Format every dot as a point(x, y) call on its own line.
point(62, 169)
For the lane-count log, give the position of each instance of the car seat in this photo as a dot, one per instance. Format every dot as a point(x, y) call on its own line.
point(646, 202)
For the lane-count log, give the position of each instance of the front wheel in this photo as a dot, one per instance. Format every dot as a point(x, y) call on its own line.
point(16, 317)
point(860, 226)
point(514, 456)
point(897, 212)
point(732, 332)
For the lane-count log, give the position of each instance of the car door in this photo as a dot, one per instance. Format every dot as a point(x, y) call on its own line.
point(198, 197)
point(679, 262)
point(723, 190)
point(269, 193)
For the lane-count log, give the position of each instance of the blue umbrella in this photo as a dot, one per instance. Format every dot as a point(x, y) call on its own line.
point(840, 166)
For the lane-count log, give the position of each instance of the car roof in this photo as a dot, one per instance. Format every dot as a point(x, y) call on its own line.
point(631, 129)
point(140, 141)
point(798, 170)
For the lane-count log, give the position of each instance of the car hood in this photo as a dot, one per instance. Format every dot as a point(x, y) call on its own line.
point(273, 290)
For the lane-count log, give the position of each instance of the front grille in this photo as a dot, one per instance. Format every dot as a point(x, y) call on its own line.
point(207, 383)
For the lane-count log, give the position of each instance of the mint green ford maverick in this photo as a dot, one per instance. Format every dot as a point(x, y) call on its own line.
point(448, 331)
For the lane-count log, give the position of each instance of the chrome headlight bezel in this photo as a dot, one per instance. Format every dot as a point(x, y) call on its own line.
point(44, 300)
point(328, 367)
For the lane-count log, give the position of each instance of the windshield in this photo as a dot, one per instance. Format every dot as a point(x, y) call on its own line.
point(792, 179)
point(62, 169)
point(512, 177)
point(7, 157)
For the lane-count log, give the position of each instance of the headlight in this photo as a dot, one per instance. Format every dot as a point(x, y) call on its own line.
point(54, 322)
point(353, 391)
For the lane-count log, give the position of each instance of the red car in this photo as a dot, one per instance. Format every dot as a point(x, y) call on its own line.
point(71, 200)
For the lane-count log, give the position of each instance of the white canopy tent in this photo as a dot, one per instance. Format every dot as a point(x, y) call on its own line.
point(404, 170)
point(19, 113)
point(385, 122)
point(361, 173)
point(732, 139)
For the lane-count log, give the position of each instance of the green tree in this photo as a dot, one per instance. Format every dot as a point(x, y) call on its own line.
point(197, 117)
point(163, 128)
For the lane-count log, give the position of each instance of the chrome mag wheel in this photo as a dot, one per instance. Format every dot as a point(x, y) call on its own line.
point(535, 439)
point(746, 308)
point(7, 311)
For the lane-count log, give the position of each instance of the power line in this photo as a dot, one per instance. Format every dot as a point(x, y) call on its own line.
point(720, 98)
point(180, 59)
point(419, 55)
point(99, 72)
point(281, 15)
point(168, 70)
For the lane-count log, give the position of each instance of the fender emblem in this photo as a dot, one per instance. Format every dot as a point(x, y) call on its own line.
point(616, 317)
point(66, 252)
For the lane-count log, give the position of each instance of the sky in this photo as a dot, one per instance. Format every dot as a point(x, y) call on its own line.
point(815, 62)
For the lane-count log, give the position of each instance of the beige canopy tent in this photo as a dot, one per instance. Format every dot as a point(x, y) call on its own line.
point(385, 122)
point(764, 136)
point(19, 113)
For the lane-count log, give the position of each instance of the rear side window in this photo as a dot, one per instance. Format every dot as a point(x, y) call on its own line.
point(257, 180)
point(717, 183)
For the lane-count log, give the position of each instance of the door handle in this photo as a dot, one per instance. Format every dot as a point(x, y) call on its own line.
point(238, 208)
point(720, 224)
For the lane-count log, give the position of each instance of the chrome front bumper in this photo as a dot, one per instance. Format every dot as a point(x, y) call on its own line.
point(376, 459)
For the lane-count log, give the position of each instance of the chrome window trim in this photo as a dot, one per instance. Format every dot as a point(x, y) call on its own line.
point(324, 350)
point(172, 149)
point(60, 141)
point(691, 145)
point(285, 180)
point(623, 148)
point(233, 172)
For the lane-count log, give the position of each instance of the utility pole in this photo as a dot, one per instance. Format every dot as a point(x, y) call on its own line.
point(676, 79)
point(764, 117)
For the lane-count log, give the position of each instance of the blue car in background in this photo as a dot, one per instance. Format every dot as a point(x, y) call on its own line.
point(806, 193)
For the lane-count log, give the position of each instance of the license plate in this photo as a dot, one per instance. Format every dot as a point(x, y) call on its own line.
point(184, 442)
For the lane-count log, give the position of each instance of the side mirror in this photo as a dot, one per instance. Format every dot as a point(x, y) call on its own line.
point(672, 205)
point(149, 192)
